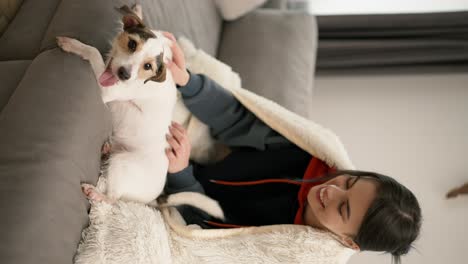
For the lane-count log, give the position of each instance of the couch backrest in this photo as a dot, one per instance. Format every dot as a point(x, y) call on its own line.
point(37, 23)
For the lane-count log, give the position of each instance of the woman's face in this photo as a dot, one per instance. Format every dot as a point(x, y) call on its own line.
point(339, 205)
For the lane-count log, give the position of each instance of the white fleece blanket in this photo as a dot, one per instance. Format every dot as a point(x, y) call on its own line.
point(134, 233)
point(127, 233)
point(124, 233)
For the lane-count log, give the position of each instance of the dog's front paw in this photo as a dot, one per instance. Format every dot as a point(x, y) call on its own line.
point(69, 45)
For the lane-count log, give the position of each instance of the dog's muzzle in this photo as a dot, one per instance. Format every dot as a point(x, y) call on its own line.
point(123, 74)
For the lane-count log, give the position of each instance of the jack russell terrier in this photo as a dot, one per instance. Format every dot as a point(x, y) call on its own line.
point(141, 96)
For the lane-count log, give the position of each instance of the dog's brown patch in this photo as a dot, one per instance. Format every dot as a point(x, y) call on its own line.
point(161, 71)
point(158, 69)
point(142, 32)
point(125, 37)
point(147, 74)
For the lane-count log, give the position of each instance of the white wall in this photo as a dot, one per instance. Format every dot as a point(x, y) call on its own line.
point(415, 129)
point(324, 7)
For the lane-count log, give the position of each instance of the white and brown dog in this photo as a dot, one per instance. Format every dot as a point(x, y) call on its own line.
point(141, 95)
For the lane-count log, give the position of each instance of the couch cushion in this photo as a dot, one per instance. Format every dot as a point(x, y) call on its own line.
point(11, 73)
point(51, 131)
point(274, 53)
point(8, 10)
point(97, 22)
point(22, 38)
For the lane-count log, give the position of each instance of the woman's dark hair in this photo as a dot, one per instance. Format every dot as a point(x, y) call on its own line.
point(393, 220)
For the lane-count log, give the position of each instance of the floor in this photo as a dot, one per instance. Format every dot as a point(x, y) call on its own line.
point(413, 127)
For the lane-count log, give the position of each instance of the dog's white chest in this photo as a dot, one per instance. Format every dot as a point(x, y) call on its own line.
point(143, 123)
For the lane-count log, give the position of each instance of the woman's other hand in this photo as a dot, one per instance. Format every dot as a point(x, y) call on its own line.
point(177, 65)
point(179, 151)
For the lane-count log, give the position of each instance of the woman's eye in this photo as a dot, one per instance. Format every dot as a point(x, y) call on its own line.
point(147, 66)
point(132, 45)
point(350, 181)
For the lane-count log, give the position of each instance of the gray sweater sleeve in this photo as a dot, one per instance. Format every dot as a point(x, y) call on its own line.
point(229, 121)
point(183, 181)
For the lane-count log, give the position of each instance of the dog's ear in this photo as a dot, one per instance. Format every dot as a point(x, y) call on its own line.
point(132, 23)
point(161, 72)
point(130, 19)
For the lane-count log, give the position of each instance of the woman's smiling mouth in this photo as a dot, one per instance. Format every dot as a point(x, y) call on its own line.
point(320, 194)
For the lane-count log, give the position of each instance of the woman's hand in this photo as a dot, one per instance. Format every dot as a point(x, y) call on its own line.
point(177, 65)
point(179, 151)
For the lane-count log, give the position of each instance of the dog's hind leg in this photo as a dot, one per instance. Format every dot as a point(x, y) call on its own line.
point(106, 150)
point(94, 195)
point(111, 146)
point(86, 52)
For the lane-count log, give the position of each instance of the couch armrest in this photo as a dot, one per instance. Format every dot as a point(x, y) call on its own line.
point(51, 132)
point(274, 52)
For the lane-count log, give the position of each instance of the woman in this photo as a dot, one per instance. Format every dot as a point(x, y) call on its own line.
point(268, 180)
